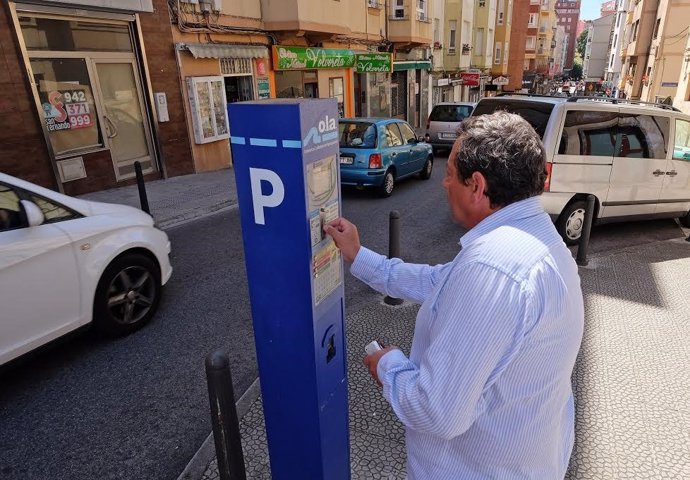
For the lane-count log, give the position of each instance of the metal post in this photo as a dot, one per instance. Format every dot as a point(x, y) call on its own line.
point(586, 230)
point(393, 247)
point(226, 426)
point(143, 200)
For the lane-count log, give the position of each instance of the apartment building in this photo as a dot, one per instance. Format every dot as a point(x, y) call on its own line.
point(457, 47)
point(568, 14)
point(518, 45)
point(504, 20)
point(530, 62)
point(613, 80)
point(682, 98)
point(597, 52)
point(638, 37)
point(667, 53)
point(484, 31)
point(545, 63)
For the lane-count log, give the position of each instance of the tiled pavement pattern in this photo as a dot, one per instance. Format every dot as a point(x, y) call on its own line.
point(178, 199)
point(631, 381)
point(632, 378)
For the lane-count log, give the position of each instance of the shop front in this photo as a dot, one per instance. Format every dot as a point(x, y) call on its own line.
point(373, 84)
point(410, 88)
point(215, 74)
point(306, 72)
point(90, 94)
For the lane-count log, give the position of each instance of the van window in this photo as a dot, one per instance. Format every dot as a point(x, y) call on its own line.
point(450, 113)
point(642, 136)
point(536, 113)
point(681, 147)
point(589, 133)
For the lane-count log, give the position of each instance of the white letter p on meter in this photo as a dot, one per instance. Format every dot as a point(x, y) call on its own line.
point(260, 201)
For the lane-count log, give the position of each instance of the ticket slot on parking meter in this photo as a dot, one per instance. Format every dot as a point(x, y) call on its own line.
point(285, 155)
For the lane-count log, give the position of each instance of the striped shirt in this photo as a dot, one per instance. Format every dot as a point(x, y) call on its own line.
point(486, 392)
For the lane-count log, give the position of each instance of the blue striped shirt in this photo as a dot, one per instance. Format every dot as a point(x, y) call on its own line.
point(486, 392)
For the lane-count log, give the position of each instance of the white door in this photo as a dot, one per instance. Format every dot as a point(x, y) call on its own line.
point(639, 165)
point(675, 193)
point(39, 283)
point(123, 116)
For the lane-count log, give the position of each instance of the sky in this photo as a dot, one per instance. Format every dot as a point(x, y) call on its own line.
point(589, 9)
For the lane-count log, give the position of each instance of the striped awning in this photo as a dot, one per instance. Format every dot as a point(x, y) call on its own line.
point(220, 50)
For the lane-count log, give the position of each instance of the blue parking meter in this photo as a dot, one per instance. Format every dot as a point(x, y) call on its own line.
point(285, 154)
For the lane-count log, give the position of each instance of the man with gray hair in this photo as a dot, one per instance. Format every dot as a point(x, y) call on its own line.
point(486, 391)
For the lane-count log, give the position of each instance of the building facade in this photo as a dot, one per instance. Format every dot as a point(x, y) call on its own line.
point(95, 90)
point(518, 45)
point(597, 52)
point(568, 14)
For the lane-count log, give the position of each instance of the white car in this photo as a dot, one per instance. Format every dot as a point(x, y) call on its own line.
point(66, 262)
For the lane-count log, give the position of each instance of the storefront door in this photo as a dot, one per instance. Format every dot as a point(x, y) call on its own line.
point(123, 116)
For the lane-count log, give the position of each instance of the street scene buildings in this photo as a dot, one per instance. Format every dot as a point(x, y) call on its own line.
point(159, 73)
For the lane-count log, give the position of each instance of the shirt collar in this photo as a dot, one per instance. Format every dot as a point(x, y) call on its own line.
point(508, 214)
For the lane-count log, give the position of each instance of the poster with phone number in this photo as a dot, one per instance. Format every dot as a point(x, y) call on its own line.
point(67, 110)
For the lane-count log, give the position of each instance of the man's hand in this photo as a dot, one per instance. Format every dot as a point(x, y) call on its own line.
point(345, 236)
point(372, 361)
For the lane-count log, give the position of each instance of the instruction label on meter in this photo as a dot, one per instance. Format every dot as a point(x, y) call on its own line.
point(322, 187)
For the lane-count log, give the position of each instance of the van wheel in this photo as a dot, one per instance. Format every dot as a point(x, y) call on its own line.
point(570, 222)
point(685, 221)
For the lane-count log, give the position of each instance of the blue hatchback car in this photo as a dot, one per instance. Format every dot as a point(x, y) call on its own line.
point(377, 152)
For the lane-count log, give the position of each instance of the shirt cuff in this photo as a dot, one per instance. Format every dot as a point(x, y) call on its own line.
point(388, 361)
point(365, 264)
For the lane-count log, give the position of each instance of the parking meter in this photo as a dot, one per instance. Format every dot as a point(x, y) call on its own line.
point(285, 154)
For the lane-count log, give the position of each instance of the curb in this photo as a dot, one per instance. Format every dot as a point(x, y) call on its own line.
point(197, 466)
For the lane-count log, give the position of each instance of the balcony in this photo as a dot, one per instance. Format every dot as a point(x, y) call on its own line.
point(412, 29)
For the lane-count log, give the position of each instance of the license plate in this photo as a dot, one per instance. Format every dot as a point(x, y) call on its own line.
point(448, 135)
point(346, 160)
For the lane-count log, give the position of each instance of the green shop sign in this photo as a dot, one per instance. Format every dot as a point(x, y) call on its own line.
point(301, 58)
point(373, 62)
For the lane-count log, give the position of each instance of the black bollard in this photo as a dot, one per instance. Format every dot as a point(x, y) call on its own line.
point(582, 246)
point(143, 200)
point(393, 248)
point(226, 426)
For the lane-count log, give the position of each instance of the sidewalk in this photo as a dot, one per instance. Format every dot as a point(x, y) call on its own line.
point(631, 379)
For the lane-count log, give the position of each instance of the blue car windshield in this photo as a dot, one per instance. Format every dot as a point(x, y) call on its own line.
point(357, 135)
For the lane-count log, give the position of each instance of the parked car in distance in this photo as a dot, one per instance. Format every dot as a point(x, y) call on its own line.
point(632, 156)
point(379, 152)
point(67, 262)
point(443, 122)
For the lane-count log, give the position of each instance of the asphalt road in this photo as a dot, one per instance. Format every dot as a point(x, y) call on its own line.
point(137, 407)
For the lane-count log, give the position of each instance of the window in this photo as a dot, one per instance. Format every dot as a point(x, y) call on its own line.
point(357, 135)
point(74, 35)
point(399, 9)
point(11, 216)
point(335, 89)
point(437, 30)
point(68, 108)
point(501, 9)
point(479, 41)
point(615, 40)
point(532, 20)
point(497, 55)
point(449, 113)
point(531, 41)
point(656, 28)
point(634, 33)
point(589, 133)
point(536, 114)
point(53, 212)
point(407, 132)
point(393, 136)
point(681, 145)
point(451, 42)
point(642, 136)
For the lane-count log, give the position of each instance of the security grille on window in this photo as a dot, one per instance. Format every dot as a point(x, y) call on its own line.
point(234, 66)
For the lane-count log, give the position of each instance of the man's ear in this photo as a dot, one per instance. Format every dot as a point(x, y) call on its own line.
point(479, 185)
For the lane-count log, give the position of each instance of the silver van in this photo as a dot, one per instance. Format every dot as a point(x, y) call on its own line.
point(634, 157)
point(443, 122)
